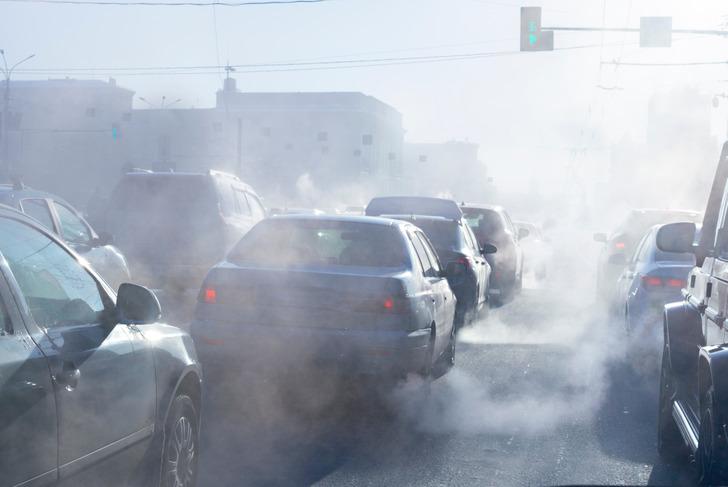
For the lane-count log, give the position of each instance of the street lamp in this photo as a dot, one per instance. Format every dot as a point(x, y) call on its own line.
point(7, 73)
point(163, 103)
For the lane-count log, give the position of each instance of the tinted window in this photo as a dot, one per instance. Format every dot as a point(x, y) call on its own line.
point(256, 207)
point(283, 243)
point(58, 290)
point(227, 199)
point(484, 222)
point(444, 234)
point(241, 203)
point(73, 229)
point(38, 209)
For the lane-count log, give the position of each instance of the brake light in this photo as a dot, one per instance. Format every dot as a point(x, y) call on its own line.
point(651, 281)
point(619, 245)
point(389, 303)
point(675, 283)
point(210, 295)
point(464, 261)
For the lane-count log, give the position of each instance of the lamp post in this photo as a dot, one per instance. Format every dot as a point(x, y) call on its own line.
point(7, 73)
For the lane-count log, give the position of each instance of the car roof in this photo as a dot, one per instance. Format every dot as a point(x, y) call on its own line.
point(482, 206)
point(416, 217)
point(373, 220)
point(146, 174)
point(420, 205)
point(11, 192)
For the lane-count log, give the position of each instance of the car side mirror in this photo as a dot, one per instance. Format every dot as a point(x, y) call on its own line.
point(617, 259)
point(676, 237)
point(488, 249)
point(137, 305)
point(523, 233)
point(600, 237)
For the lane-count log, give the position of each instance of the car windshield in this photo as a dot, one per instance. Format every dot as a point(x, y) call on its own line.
point(285, 243)
point(485, 222)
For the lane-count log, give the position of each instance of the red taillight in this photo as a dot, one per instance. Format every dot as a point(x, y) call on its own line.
point(619, 245)
point(675, 283)
point(210, 295)
point(651, 281)
point(389, 303)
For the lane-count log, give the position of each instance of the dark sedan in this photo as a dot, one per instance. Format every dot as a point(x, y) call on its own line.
point(92, 390)
point(364, 296)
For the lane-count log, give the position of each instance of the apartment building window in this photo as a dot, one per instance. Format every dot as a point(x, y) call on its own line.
point(267, 131)
point(91, 112)
point(366, 139)
point(322, 136)
point(423, 158)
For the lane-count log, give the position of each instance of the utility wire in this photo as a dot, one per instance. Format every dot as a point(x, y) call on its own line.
point(167, 4)
point(696, 63)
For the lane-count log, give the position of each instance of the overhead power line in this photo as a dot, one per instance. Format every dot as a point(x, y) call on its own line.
point(695, 63)
point(167, 4)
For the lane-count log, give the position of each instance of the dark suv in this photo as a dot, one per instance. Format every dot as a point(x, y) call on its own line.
point(174, 226)
point(493, 225)
point(93, 391)
point(693, 400)
point(456, 247)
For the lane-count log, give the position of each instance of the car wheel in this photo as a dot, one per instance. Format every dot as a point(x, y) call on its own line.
point(670, 444)
point(181, 444)
point(710, 455)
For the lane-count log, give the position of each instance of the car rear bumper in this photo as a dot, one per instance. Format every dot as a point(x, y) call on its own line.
point(224, 348)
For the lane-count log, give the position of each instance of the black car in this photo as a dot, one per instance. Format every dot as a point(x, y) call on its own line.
point(366, 297)
point(59, 216)
point(693, 411)
point(442, 222)
point(492, 224)
point(174, 226)
point(93, 391)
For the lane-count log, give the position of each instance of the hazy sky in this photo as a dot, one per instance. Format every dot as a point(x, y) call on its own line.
point(521, 107)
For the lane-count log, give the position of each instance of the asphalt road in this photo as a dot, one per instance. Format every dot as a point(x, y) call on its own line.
point(542, 394)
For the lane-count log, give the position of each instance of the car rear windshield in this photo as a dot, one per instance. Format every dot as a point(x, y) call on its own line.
point(286, 243)
point(176, 195)
point(444, 234)
point(661, 256)
point(484, 222)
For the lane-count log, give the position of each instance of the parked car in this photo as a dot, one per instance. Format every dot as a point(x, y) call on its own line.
point(93, 390)
point(60, 217)
point(693, 410)
point(621, 244)
point(366, 297)
point(493, 225)
point(454, 242)
point(537, 251)
point(651, 279)
point(174, 226)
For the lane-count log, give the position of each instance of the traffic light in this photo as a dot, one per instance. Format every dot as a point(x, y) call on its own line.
point(532, 37)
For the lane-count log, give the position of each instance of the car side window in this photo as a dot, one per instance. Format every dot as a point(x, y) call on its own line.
point(38, 209)
point(471, 240)
point(721, 234)
point(227, 199)
point(641, 253)
point(422, 254)
point(256, 207)
point(431, 254)
point(73, 229)
point(241, 202)
point(58, 290)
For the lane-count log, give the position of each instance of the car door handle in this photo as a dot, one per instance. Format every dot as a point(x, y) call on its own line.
point(68, 377)
point(715, 316)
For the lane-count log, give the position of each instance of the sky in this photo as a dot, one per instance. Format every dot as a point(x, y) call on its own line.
point(526, 110)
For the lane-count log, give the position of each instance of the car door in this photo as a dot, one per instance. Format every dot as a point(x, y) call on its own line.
point(441, 293)
point(480, 264)
point(717, 286)
point(104, 391)
point(28, 421)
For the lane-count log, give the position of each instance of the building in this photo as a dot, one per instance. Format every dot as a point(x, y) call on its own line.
point(64, 134)
point(273, 140)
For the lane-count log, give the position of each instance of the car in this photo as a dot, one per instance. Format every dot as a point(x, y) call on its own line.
point(93, 390)
point(454, 242)
point(365, 297)
point(692, 406)
point(174, 226)
point(62, 218)
point(492, 225)
point(537, 251)
point(651, 279)
point(621, 244)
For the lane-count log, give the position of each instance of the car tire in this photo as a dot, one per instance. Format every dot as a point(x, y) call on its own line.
point(670, 443)
point(711, 455)
point(180, 450)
